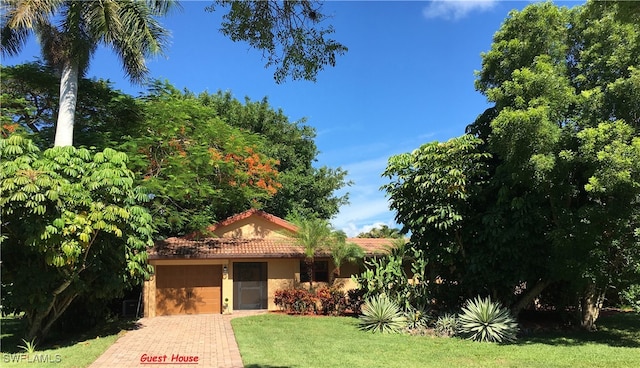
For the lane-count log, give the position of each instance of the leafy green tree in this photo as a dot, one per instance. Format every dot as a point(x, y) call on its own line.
point(306, 190)
point(198, 168)
point(72, 225)
point(545, 188)
point(130, 28)
point(30, 96)
point(384, 231)
point(287, 32)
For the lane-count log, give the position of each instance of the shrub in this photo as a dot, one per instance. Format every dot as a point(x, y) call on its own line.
point(379, 314)
point(447, 325)
point(355, 299)
point(631, 297)
point(332, 300)
point(417, 318)
point(485, 320)
point(296, 301)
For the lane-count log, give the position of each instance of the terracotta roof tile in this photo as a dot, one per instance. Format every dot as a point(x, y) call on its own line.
point(250, 248)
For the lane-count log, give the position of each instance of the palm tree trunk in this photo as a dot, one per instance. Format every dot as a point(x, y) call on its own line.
point(68, 99)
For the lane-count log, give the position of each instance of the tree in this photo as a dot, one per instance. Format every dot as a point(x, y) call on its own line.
point(287, 32)
point(545, 188)
point(109, 118)
point(306, 190)
point(314, 235)
point(72, 225)
point(130, 28)
point(383, 231)
point(343, 251)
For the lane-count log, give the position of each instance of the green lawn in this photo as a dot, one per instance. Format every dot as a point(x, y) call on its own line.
point(62, 351)
point(273, 340)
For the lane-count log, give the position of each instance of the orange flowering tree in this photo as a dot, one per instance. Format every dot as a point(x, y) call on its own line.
point(197, 168)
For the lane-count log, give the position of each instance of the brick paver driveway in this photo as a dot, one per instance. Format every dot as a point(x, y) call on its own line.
point(204, 340)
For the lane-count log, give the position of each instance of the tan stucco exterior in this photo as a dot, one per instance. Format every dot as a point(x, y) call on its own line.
point(282, 270)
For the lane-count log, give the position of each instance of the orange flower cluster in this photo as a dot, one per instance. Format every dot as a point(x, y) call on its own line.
point(253, 169)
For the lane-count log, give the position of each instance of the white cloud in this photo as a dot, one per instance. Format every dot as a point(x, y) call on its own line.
point(456, 9)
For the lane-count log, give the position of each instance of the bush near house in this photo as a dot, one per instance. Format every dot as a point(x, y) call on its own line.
point(324, 300)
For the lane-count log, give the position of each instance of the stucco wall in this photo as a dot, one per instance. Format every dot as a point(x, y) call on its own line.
point(251, 228)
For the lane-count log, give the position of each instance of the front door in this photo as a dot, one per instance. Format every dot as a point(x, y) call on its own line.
point(250, 285)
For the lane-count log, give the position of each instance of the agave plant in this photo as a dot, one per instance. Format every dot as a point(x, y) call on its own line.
point(379, 314)
point(29, 347)
point(447, 325)
point(417, 318)
point(485, 320)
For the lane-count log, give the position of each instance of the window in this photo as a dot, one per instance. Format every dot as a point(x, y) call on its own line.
point(320, 271)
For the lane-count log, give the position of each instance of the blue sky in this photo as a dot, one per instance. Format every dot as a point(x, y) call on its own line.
point(407, 79)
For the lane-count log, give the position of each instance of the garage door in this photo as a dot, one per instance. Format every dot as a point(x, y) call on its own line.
point(188, 289)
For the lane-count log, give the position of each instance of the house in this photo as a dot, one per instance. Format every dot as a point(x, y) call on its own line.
point(249, 258)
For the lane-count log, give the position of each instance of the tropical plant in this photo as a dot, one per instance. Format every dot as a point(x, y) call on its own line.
point(332, 300)
point(487, 321)
point(295, 301)
point(388, 275)
point(314, 235)
point(447, 325)
point(417, 318)
point(72, 225)
point(341, 252)
point(69, 33)
point(545, 187)
point(29, 347)
point(381, 314)
point(383, 231)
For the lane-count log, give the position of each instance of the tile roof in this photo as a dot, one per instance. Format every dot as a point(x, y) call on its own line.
point(250, 248)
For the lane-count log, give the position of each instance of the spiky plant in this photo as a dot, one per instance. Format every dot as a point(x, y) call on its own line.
point(487, 321)
point(447, 325)
point(380, 314)
point(417, 318)
point(29, 347)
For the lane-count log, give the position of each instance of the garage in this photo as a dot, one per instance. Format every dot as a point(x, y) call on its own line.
point(195, 289)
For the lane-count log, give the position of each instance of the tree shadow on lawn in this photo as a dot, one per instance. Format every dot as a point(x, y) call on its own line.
point(13, 330)
point(620, 329)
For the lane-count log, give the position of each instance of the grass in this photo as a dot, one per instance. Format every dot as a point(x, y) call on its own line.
point(273, 340)
point(61, 350)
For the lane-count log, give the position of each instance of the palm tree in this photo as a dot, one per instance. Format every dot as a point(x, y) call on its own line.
point(342, 251)
point(69, 33)
point(313, 235)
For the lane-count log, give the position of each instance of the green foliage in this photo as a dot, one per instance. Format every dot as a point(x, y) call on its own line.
point(388, 275)
point(73, 224)
point(169, 135)
point(417, 318)
point(287, 33)
point(383, 231)
point(487, 321)
point(306, 190)
point(295, 301)
point(333, 301)
point(631, 297)
point(447, 325)
point(545, 187)
point(381, 315)
point(29, 347)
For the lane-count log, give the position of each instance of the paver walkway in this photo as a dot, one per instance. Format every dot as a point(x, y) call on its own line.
point(204, 340)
